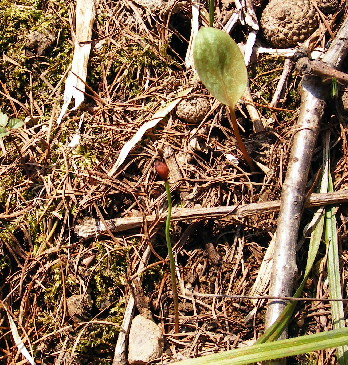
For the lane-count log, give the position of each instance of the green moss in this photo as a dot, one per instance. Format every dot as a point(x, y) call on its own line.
point(105, 278)
point(5, 262)
point(23, 72)
point(264, 78)
point(152, 277)
point(137, 59)
point(100, 339)
point(54, 287)
point(7, 182)
point(109, 273)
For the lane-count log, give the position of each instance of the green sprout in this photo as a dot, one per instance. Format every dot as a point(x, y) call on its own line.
point(163, 172)
point(220, 66)
point(6, 124)
point(334, 88)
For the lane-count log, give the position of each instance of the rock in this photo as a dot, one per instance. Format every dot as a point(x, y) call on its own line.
point(193, 110)
point(156, 5)
point(145, 341)
point(344, 102)
point(287, 23)
point(79, 307)
point(39, 42)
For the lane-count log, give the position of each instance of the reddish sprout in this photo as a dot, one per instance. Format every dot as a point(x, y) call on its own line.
point(162, 170)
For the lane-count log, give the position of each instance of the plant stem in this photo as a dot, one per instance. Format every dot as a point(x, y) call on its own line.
point(239, 140)
point(171, 260)
point(211, 12)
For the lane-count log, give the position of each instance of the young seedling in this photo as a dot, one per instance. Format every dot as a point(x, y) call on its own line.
point(6, 124)
point(220, 66)
point(163, 172)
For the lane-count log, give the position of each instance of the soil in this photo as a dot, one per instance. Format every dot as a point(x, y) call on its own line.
point(48, 187)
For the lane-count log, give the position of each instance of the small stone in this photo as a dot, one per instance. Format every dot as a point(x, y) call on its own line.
point(193, 110)
point(88, 261)
point(156, 5)
point(39, 42)
point(287, 23)
point(344, 102)
point(79, 307)
point(145, 341)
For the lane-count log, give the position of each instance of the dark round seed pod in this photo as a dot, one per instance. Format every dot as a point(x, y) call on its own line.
point(162, 170)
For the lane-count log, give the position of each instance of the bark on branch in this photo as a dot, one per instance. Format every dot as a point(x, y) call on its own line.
point(91, 227)
point(293, 191)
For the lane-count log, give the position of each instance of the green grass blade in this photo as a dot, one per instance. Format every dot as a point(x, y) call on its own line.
point(278, 326)
point(171, 259)
point(274, 350)
point(333, 268)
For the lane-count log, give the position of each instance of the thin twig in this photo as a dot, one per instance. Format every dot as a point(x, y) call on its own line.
point(240, 141)
point(266, 297)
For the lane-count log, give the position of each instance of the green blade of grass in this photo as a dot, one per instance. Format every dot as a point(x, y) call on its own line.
point(171, 259)
point(274, 350)
point(333, 268)
point(211, 12)
point(278, 326)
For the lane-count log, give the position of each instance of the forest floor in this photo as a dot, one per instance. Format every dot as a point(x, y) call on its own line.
point(49, 186)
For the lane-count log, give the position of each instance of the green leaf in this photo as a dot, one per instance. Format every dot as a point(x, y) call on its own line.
point(15, 123)
point(220, 65)
point(3, 119)
point(3, 132)
point(6, 124)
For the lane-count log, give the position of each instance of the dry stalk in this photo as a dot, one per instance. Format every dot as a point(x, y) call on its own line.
point(91, 227)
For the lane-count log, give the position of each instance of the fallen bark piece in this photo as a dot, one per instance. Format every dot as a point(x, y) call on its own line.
point(76, 80)
point(145, 341)
point(155, 119)
point(122, 340)
point(91, 227)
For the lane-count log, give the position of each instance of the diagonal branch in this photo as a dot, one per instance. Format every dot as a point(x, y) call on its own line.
point(293, 192)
